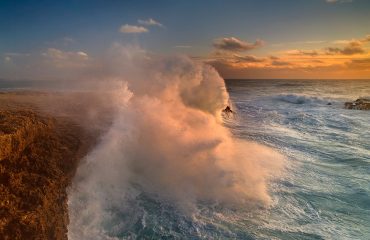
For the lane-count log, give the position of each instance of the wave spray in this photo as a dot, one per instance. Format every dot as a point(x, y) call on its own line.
point(167, 140)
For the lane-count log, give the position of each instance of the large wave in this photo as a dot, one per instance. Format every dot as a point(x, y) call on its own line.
point(167, 140)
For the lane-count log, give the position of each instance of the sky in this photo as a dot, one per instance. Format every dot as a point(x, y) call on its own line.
point(254, 39)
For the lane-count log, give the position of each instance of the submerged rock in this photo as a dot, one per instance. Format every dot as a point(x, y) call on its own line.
point(359, 104)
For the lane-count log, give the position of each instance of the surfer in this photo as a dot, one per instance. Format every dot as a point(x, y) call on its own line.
point(228, 110)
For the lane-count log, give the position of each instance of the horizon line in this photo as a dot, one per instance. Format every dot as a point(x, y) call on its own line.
point(308, 79)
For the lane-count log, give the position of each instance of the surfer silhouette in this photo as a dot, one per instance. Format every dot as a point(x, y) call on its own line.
point(228, 110)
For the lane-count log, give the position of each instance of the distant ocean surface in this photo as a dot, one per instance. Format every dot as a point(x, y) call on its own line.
point(13, 85)
point(325, 192)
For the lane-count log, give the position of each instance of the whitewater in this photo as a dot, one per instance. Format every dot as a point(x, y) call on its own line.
point(291, 163)
point(326, 191)
point(167, 145)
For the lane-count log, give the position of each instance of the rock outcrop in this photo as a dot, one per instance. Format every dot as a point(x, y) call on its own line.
point(359, 104)
point(38, 158)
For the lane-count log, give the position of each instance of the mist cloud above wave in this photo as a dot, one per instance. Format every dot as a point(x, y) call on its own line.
point(167, 140)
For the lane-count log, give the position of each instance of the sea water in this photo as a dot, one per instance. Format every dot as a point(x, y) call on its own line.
point(324, 192)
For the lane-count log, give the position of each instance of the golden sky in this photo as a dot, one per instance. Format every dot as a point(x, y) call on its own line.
point(339, 59)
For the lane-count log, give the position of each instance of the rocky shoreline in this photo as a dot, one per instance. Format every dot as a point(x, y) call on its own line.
point(359, 104)
point(38, 157)
point(40, 148)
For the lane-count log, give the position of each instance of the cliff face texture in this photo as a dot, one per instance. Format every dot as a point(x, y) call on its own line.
point(38, 157)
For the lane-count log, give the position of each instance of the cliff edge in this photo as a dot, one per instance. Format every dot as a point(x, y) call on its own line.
point(38, 158)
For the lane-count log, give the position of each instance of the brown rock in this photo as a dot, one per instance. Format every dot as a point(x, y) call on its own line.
point(38, 157)
point(359, 104)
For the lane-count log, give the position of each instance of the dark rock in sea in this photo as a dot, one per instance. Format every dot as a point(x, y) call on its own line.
point(329, 103)
point(359, 104)
point(38, 158)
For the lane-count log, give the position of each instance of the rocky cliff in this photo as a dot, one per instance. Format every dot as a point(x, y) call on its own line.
point(38, 157)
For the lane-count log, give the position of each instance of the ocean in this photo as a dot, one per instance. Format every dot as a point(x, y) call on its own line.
point(323, 193)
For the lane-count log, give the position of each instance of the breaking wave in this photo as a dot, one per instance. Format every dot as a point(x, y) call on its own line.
point(167, 141)
point(300, 99)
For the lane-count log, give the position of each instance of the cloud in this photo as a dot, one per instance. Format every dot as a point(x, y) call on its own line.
point(150, 22)
point(56, 54)
point(311, 53)
point(359, 41)
point(127, 28)
point(280, 63)
point(350, 59)
point(313, 42)
point(249, 59)
point(286, 66)
point(10, 57)
point(345, 51)
point(287, 69)
point(132, 29)
point(353, 47)
point(366, 39)
point(309, 42)
point(47, 64)
point(360, 64)
point(335, 63)
point(234, 44)
point(341, 41)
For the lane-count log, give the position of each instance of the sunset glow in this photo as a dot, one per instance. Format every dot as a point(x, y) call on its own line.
point(316, 39)
point(185, 119)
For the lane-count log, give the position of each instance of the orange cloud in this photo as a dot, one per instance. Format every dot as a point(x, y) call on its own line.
point(234, 44)
point(311, 53)
point(249, 59)
point(353, 47)
point(349, 61)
